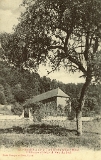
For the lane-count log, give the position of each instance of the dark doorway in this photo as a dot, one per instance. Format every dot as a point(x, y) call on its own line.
point(26, 112)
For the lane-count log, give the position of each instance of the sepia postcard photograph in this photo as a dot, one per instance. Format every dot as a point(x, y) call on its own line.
point(50, 79)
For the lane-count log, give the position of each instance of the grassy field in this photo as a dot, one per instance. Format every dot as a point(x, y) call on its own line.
point(21, 133)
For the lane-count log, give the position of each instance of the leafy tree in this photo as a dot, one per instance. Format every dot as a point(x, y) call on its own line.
point(91, 104)
point(63, 32)
point(54, 84)
point(61, 85)
point(46, 83)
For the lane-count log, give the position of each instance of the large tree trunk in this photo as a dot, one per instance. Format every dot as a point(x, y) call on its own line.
point(79, 122)
point(80, 106)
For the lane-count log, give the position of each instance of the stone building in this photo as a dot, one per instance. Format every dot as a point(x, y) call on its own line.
point(53, 103)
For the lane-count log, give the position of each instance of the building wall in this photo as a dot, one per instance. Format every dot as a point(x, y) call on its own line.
point(62, 101)
point(63, 106)
point(45, 108)
point(56, 106)
point(49, 107)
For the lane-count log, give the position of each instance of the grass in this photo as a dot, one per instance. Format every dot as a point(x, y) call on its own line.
point(50, 134)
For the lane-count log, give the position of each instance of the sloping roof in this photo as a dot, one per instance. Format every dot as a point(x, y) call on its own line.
point(52, 93)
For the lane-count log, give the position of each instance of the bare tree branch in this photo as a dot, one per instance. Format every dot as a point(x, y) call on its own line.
point(78, 63)
point(86, 47)
point(61, 38)
point(54, 69)
point(55, 47)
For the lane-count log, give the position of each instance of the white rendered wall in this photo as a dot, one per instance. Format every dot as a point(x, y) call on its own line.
point(62, 101)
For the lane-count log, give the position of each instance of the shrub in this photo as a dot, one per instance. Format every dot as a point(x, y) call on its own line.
point(2, 98)
point(71, 115)
point(17, 108)
point(38, 111)
point(60, 110)
point(20, 96)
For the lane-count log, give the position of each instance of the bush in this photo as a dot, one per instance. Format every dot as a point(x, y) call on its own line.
point(2, 98)
point(72, 114)
point(20, 96)
point(60, 111)
point(90, 106)
point(74, 105)
point(38, 111)
point(17, 108)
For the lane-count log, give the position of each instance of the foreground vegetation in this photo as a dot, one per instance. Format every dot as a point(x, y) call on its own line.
point(61, 33)
point(50, 134)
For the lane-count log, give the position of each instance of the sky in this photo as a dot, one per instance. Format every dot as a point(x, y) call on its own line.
point(9, 14)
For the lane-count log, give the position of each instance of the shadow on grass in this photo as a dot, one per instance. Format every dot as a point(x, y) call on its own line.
point(40, 129)
point(65, 136)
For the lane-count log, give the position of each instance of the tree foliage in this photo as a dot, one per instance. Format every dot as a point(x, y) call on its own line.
point(63, 31)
